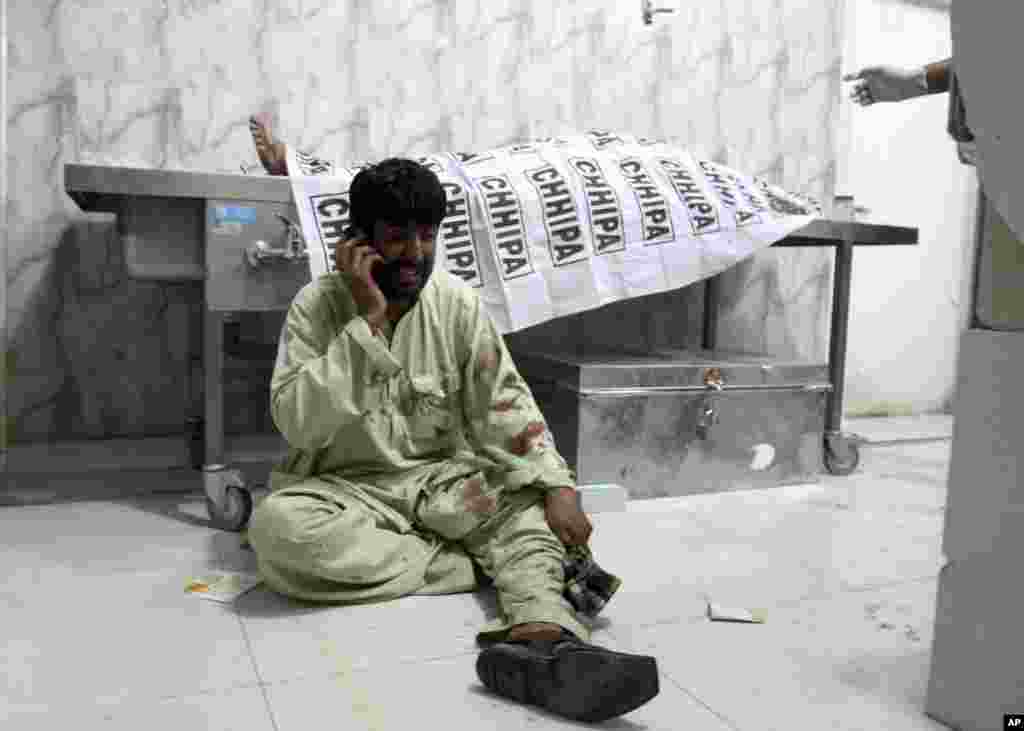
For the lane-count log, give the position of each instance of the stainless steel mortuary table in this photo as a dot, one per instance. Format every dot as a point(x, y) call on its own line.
point(238, 235)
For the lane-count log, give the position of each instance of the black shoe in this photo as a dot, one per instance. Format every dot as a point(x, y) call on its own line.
point(571, 678)
point(588, 587)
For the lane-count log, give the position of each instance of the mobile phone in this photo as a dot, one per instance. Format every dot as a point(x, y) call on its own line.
point(351, 232)
point(347, 234)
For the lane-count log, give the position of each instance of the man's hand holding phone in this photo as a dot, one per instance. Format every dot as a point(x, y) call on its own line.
point(355, 258)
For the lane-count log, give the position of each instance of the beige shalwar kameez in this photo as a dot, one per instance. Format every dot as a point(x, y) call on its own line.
point(415, 452)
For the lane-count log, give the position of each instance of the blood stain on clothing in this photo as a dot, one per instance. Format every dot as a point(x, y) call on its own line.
point(486, 361)
point(505, 404)
point(523, 442)
point(475, 500)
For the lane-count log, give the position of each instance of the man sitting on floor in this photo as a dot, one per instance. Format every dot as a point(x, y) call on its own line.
point(420, 457)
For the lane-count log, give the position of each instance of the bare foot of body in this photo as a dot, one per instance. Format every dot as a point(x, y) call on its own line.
point(271, 152)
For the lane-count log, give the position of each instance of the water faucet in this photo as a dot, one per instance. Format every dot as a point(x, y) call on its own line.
point(648, 11)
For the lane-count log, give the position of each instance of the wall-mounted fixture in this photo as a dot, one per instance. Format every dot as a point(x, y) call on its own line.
point(648, 10)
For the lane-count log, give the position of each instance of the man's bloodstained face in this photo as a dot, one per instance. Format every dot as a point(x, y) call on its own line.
point(408, 253)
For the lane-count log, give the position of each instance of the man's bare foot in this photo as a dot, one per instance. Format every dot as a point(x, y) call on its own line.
point(271, 152)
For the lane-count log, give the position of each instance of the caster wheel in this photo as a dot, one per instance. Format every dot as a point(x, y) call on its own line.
point(238, 509)
point(842, 456)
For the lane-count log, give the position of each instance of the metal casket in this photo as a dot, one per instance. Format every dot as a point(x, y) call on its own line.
point(672, 423)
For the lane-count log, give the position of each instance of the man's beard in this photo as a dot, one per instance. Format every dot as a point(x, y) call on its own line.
point(387, 275)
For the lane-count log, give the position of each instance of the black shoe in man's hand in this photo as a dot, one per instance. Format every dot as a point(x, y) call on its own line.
point(588, 587)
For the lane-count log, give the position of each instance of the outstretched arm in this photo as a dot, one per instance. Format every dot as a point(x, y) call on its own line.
point(896, 84)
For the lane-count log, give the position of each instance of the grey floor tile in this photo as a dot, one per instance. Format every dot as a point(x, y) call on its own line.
point(94, 606)
point(894, 428)
point(116, 637)
point(762, 547)
point(98, 632)
point(855, 661)
point(923, 465)
point(294, 640)
point(104, 538)
point(237, 709)
point(447, 694)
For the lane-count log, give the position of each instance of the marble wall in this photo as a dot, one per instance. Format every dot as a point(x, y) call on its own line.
point(170, 84)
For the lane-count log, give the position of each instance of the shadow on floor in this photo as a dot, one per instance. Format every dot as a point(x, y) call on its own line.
point(536, 714)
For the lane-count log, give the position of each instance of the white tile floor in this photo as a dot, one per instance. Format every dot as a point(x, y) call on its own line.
point(98, 632)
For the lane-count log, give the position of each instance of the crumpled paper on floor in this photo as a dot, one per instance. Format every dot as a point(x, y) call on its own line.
point(719, 613)
point(222, 586)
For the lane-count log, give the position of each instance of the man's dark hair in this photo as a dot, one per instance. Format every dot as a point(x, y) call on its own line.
point(396, 190)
